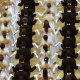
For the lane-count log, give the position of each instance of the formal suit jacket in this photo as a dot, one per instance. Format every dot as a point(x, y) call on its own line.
point(63, 54)
point(31, 4)
point(26, 67)
point(28, 30)
point(70, 41)
point(70, 28)
point(69, 16)
point(26, 53)
point(21, 75)
point(73, 77)
point(74, 3)
point(23, 38)
point(68, 62)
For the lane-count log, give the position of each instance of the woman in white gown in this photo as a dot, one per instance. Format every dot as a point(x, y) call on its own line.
point(5, 53)
point(5, 18)
point(8, 30)
point(7, 42)
point(48, 43)
point(52, 7)
point(44, 54)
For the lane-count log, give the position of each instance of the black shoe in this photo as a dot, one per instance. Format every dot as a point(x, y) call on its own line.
point(34, 22)
point(36, 4)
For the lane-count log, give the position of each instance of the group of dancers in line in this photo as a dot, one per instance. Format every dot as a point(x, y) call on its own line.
point(49, 45)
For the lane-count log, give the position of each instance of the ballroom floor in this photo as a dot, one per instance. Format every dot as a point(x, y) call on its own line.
point(37, 39)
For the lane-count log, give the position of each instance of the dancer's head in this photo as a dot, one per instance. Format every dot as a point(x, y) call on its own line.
point(49, 5)
point(45, 47)
point(23, 43)
point(2, 45)
point(45, 37)
point(68, 34)
point(23, 31)
point(5, 23)
point(24, 20)
point(46, 25)
point(4, 34)
point(21, 58)
point(4, 14)
point(69, 2)
point(20, 66)
point(1, 57)
point(46, 59)
point(69, 7)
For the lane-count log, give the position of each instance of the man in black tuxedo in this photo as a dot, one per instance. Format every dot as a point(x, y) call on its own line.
point(20, 75)
point(26, 66)
point(30, 20)
point(65, 2)
point(24, 38)
point(69, 4)
point(69, 16)
point(28, 28)
point(28, 12)
point(68, 40)
point(68, 72)
point(29, 4)
point(25, 52)
point(71, 28)
point(68, 49)
point(68, 62)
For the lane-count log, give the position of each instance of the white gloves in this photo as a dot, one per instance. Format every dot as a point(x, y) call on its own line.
point(39, 19)
point(78, 52)
point(56, 44)
point(60, 12)
point(60, 43)
point(39, 13)
point(56, 65)
point(55, 68)
point(36, 76)
point(57, 30)
point(78, 44)
point(37, 31)
point(13, 54)
point(54, 55)
point(78, 12)
point(40, 3)
point(14, 43)
point(37, 65)
point(78, 2)
point(34, 44)
point(78, 28)
point(57, 78)
point(35, 54)
point(78, 65)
